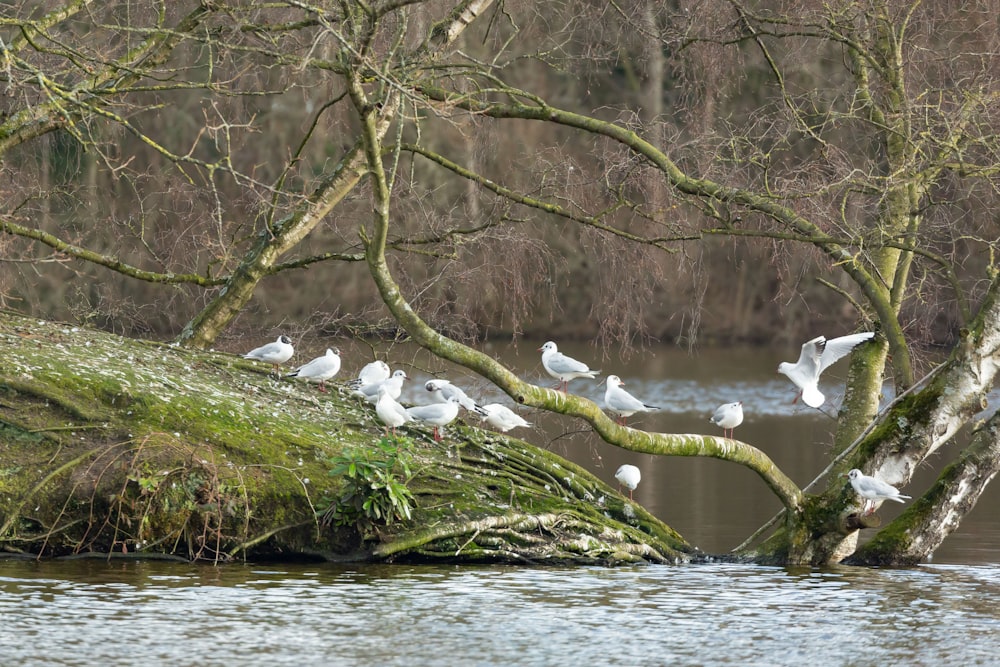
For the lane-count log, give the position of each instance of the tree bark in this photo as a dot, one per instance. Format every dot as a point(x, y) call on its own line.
point(233, 297)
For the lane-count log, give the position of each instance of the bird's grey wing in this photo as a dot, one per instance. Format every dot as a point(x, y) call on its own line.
point(321, 366)
point(883, 488)
point(811, 352)
point(423, 412)
point(451, 391)
point(838, 348)
point(808, 364)
point(262, 351)
point(619, 399)
point(560, 363)
point(312, 368)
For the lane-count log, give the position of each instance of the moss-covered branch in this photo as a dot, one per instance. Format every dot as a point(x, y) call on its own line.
point(921, 528)
point(523, 392)
point(877, 296)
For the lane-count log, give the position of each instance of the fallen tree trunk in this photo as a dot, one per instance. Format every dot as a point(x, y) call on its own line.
point(112, 445)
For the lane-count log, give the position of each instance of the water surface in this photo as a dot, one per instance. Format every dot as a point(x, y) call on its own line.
point(85, 613)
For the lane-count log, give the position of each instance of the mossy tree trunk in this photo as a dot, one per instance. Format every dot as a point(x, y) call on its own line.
point(910, 430)
point(110, 445)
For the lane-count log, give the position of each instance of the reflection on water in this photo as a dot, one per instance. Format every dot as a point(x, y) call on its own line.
point(76, 613)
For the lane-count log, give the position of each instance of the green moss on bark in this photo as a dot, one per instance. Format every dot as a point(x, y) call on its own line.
point(115, 445)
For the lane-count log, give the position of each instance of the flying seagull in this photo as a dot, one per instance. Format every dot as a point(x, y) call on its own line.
point(817, 355)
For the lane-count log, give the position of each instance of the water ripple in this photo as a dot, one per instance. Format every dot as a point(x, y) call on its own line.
point(71, 614)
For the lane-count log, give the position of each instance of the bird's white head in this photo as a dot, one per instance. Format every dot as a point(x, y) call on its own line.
point(548, 347)
point(399, 374)
point(784, 367)
point(614, 381)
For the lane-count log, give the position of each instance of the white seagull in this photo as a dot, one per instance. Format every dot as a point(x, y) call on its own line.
point(873, 490)
point(563, 368)
point(275, 353)
point(436, 414)
point(442, 390)
point(501, 417)
point(628, 475)
point(621, 402)
point(817, 355)
point(319, 369)
point(373, 373)
point(390, 412)
point(393, 386)
point(728, 417)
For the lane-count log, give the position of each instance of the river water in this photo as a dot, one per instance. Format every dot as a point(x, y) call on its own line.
point(946, 612)
point(151, 613)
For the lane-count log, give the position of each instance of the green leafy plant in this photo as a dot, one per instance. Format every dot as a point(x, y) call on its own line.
point(375, 491)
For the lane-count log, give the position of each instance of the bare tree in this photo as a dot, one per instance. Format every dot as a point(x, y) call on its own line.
point(861, 136)
point(861, 177)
